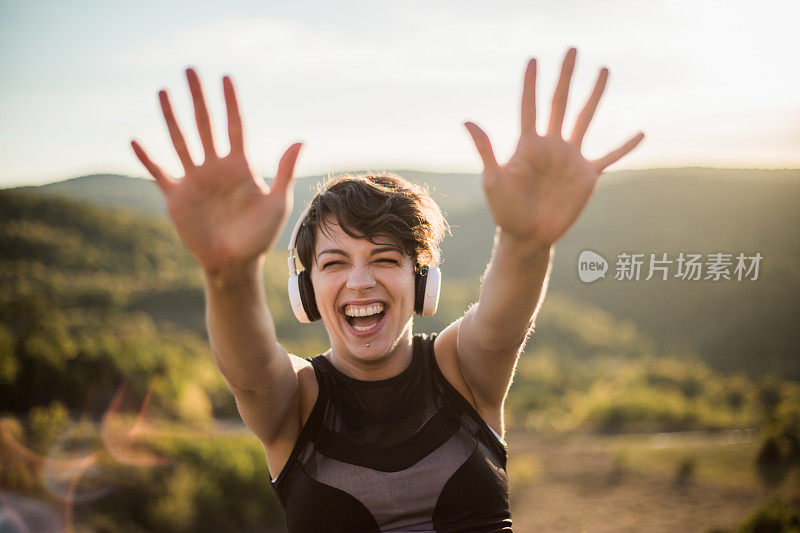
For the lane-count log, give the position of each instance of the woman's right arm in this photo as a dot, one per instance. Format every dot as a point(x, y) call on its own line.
point(228, 218)
point(261, 374)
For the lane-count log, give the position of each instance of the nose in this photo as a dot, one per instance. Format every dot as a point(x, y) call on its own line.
point(360, 278)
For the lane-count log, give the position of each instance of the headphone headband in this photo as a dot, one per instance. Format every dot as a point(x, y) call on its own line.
point(293, 240)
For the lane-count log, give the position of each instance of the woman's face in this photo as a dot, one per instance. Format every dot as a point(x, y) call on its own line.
point(364, 292)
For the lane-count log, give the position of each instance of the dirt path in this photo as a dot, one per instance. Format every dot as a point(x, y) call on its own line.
point(572, 485)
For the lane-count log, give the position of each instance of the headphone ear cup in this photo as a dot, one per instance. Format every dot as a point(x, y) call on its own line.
point(428, 283)
point(306, 290)
point(296, 300)
point(420, 280)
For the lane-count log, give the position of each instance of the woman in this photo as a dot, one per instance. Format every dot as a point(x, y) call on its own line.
point(386, 431)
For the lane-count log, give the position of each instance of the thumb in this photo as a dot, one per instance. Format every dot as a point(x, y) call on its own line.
point(285, 175)
point(483, 145)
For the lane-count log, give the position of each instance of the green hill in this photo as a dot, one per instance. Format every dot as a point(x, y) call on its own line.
point(93, 299)
point(70, 278)
point(734, 325)
point(110, 190)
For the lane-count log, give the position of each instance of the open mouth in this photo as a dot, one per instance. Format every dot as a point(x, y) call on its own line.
point(365, 325)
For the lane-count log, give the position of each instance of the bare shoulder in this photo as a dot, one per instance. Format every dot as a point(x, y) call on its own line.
point(445, 349)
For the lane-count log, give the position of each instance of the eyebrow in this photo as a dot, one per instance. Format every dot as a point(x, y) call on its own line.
point(374, 251)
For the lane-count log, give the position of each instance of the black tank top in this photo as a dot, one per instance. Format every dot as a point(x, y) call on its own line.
point(407, 453)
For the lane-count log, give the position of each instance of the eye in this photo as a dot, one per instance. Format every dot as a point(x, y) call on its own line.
point(391, 261)
point(331, 263)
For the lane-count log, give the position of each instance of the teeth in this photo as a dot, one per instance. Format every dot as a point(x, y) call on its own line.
point(352, 310)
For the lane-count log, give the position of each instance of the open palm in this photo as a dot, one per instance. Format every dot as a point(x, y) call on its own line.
point(539, 193)
point(225, 214)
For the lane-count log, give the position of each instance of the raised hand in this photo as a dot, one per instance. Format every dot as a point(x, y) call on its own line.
point(225, 214)
point(539, 193)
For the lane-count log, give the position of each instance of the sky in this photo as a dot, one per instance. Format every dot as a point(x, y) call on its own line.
point(379, 85)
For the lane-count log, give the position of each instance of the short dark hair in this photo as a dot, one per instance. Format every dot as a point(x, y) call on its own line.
point(367, 206)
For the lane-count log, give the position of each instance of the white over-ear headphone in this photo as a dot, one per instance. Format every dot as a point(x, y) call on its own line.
point(427, 284)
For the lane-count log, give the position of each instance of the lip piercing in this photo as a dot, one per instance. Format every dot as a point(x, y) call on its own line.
point(367, 345)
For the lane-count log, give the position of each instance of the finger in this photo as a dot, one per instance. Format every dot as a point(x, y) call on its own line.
point(235, 133)
point(562, 93)
point(175, 132)
point(201, 114)
point(483, 145)
point(529, 99)
point(285, 175)
point(164, 182)
point(587, 113)
point(608, 160)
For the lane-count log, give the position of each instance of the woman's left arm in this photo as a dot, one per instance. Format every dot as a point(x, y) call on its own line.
point(534, 199)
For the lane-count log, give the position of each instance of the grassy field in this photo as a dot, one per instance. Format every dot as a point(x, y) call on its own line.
point(632, 483)
point(724, 459)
